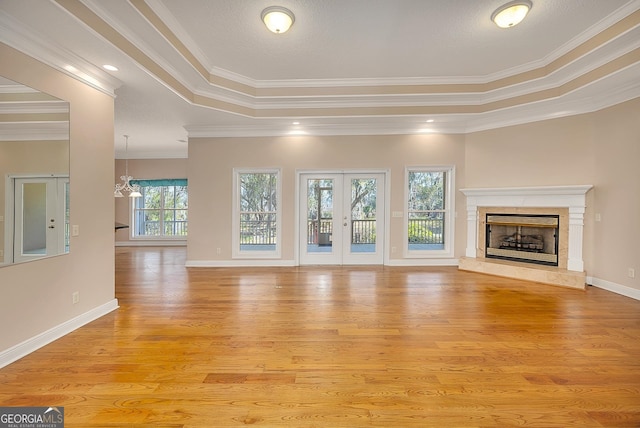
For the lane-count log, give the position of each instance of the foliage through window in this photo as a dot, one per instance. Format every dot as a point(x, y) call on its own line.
point(161, 212)
point(428, 209)
point(258, 211)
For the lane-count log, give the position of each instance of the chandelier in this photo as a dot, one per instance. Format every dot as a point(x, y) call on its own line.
point(126, 186)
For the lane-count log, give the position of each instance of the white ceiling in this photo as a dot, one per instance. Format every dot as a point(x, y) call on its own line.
point(210, 67)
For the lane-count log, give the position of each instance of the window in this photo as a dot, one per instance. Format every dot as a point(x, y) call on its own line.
point(429, 211)
point(257, 217)
point(161, 212)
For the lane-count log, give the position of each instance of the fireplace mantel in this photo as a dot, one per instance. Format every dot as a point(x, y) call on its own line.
point(571, 197)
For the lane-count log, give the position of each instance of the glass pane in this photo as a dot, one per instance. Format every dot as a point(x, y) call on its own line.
point(363, 215)
point(181, 197)
point(426, 210)
point(169, 215)
point(258, 192)
point(150, 225)
point(34, 220)
point(258, 206)
point(319, 215)
point(151, 197)
point(426, 228)
point(169, 197)
point(162, 211)
point(426, 190)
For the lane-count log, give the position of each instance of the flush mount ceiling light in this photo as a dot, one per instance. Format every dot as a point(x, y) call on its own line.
point(511, 14)
point(277, 19)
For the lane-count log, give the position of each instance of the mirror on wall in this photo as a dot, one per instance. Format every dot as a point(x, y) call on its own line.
point(34, 166)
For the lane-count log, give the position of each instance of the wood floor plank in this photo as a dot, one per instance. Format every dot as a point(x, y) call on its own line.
point(338, 347)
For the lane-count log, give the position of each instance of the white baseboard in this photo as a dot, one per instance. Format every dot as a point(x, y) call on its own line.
point(158, 243)
point(613, 287)
point(422, 262)
point(18, 351)
point(241, 263)
point(290, 263)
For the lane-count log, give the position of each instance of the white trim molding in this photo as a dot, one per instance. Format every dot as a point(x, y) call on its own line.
point(151, 243)
point(571, 197)
point(614, 288)
point(241, 263)
point(20, 350)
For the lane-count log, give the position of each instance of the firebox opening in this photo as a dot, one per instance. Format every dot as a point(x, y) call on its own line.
point(527, 238)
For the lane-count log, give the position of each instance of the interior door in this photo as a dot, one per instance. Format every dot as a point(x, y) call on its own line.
point(40, 217)
point(341, 218)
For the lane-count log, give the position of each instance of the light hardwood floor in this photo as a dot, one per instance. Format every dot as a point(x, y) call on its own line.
point(338, 347)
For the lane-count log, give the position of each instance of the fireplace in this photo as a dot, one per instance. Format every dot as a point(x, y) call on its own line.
point(530, 238)
point(532, 233)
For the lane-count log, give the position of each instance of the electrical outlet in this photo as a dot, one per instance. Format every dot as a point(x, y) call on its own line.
point(75, 297)
point(218, 250)
point(631, 273)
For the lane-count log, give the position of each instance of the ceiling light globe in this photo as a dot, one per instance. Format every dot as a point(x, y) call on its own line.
point(277, 19)
point(511, 14)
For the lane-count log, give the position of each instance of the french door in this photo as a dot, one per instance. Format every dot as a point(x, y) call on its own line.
point(40, 215)
point(341, 218)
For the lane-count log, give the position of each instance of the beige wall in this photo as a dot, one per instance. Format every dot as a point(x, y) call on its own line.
point(143, 169)
point(211, 162)
point(549, 153)
point(36, 296)
point(614, 246)
point(602, 149)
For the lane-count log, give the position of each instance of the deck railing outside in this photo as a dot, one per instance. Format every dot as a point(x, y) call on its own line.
point(172, 228)
point(421, 231)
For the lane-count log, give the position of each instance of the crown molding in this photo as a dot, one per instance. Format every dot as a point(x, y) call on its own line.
point(216, 95)
point(32, 43)
point(33, 107)
point(572, 104)
point(34, 131)
point(177, 29)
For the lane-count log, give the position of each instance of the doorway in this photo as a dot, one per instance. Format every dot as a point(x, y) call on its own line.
point(341, 218)
point(40, 217)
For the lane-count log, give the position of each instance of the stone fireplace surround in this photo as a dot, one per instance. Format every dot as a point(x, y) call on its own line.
point(568, 202)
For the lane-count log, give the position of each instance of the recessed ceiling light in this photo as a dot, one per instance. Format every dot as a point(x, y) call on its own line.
point(296, 123)
point(429, 120)
point(511, 14)
point(110, 67)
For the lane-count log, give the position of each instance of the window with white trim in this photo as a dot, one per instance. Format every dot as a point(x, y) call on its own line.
point(429, 217)
point(256, 220)
point(161, 212)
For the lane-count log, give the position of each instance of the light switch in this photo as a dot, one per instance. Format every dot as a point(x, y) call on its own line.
point(75, 230)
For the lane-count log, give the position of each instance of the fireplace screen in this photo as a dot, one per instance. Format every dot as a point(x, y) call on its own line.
point(525, 238)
